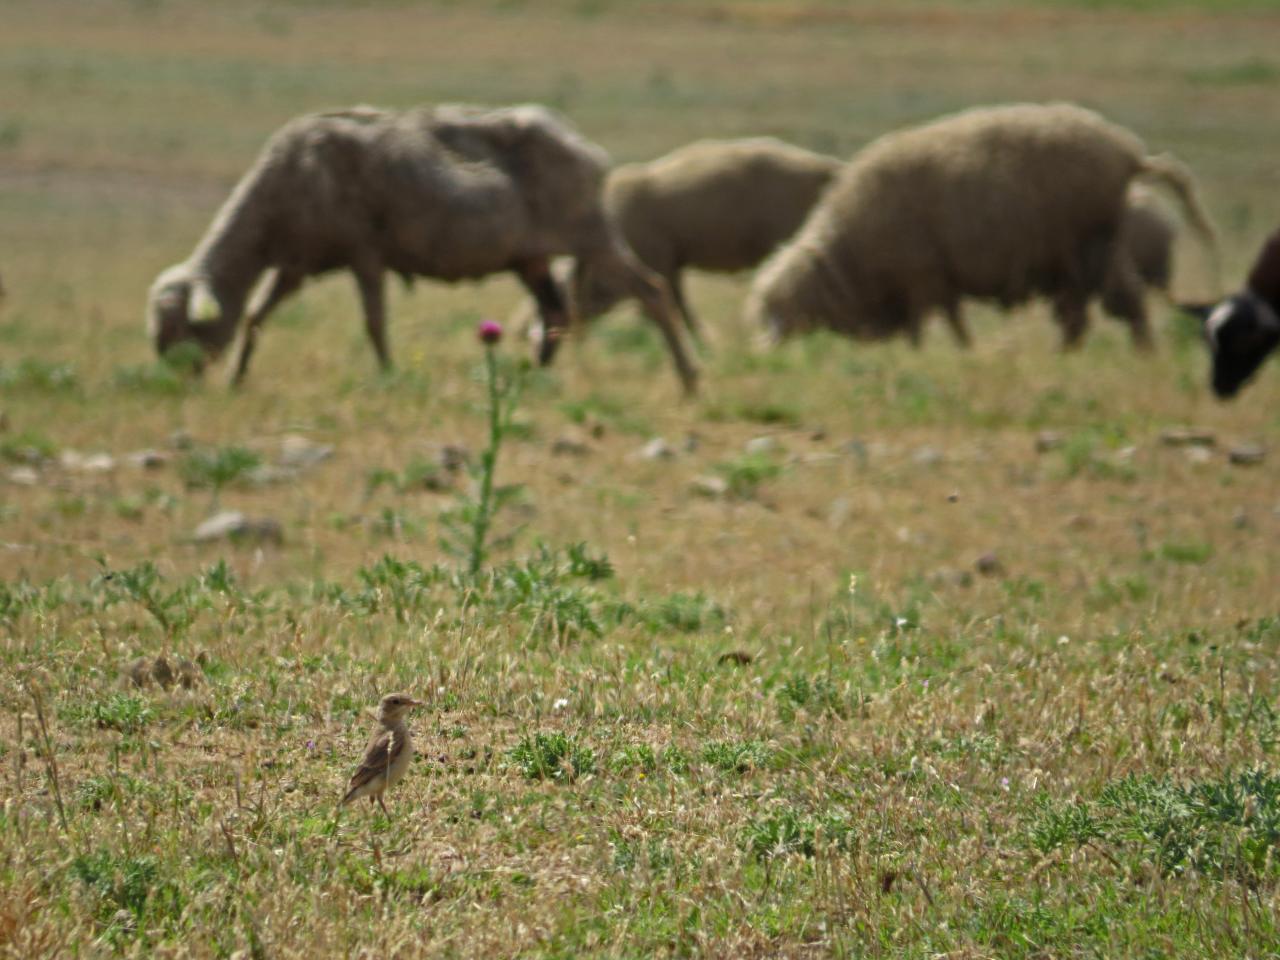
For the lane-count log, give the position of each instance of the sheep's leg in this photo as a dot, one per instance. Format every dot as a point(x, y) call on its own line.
point(631, 278)
point(284, 284)
point(553, 312)
point(1072, 315)
point(675, 282)
point(1123, 298)
point(959, 329)
point(373, 300)
point(656, 303)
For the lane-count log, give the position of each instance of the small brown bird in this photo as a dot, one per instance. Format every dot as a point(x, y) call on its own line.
point(388, 754)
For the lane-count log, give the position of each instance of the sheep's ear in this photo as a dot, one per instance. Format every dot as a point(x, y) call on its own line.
point(203, 306)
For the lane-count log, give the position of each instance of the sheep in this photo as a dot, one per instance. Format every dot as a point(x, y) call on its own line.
point(1146, 235)
point(1244, 329)
point(450, 192)
point(1144, 260)
point(1146, 238)
point(716, 205)
point(999, 203)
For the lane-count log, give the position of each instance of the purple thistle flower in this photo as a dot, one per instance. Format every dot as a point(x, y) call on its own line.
point(489, 331)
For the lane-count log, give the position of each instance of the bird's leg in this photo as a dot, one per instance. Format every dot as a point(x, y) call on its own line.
point(385, 811)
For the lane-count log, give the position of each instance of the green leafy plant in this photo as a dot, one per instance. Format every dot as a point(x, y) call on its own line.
point(27, 446)
point(402, 586)
point(736, 757)
point(467, 526)
point(173, 609)
point(217, 467)
point(1227, 826)
point(119, 712)
point(745, 474)
point(130, 891)
point(552, 756)
point(788, 832)
point(30, 373)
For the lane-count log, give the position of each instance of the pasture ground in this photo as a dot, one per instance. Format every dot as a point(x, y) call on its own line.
point(724, 748)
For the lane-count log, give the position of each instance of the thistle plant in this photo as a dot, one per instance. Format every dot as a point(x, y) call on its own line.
point(468, 525)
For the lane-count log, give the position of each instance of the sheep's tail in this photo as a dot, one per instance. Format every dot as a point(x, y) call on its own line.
point(1173, 174)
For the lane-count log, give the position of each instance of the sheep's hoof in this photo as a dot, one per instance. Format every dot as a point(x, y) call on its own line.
point(689, 384)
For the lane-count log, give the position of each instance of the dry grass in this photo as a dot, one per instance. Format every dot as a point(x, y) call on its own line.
point(933, 764)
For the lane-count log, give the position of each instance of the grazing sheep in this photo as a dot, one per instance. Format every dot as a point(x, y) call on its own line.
point(1244, 329)
point(1144, 260)
point(1002, 203)
point(716, 205)
point(450, 192)
point(1146, 235)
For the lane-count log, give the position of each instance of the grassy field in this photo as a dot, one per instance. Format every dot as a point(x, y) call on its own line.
point(966, 660)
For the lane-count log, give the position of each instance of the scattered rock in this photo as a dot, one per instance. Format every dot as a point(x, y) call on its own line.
point(927, 456)
point(571, 443)
point(595, 427)
point(740, 657)
point(839, 512)
point(267, 474)
point(762, 445)
point(948, 577)
point(858, 450)
point(24, 476)
point(1188, 437)
point(1240, 520)
point(818, 434)
point(953, 496)
point(148, 459)
point(299, 453)
point(234, 525)
point(710, 486)
point(692, 440)
point(1247, 454)
point(181, 440)
point(86, 463)
point(989, 565)
point(1198, 455)
point(657, 449)
point(816, 457)
point(1047, 440)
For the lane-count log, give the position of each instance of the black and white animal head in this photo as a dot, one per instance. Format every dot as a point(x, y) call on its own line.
point(181, 309)
point(1242, 331)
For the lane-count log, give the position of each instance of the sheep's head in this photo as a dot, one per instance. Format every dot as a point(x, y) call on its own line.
point(181, 309)
point(779, 304)
point(1242, 331)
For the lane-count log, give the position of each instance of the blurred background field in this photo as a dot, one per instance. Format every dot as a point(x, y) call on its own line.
point(1054, 604)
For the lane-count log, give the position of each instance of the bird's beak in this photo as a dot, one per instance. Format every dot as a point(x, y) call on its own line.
point(417, 703)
